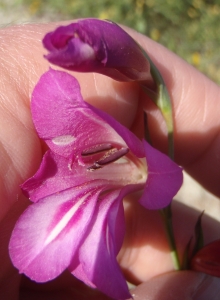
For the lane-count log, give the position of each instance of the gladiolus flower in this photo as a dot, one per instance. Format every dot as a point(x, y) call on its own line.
point(93, 162)
point(207, 259)
point(93, 45)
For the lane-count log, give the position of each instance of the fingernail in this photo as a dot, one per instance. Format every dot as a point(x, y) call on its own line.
point(208, 288)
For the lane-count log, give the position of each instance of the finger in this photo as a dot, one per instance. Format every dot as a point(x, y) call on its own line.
point(179, 285)
point(196, 108)
point(9, 276)
point(20, 148)
point(119, 98)
point(146, 252)
point(183, 82)
point(29, 63)
point(21, 68)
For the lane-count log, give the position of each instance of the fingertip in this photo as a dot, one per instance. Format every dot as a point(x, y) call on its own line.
point(179, 285)
point(196, 107)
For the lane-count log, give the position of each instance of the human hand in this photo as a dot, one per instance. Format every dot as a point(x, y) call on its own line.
point(145, 252)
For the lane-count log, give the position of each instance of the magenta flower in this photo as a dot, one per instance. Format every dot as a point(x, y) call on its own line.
point(77, 219)
point(207, 259)
point(92, 45)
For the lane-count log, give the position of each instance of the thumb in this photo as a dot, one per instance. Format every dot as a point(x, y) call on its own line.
point(179, 285)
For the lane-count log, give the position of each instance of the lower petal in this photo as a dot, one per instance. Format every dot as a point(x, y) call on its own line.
point(49, 232)
point(97, 255)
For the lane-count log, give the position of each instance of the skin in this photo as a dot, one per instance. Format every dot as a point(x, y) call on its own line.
point(145, 253)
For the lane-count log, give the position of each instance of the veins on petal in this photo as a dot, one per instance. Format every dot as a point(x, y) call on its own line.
point(66, 218)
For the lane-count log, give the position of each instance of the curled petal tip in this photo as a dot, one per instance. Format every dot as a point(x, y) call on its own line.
point(93, 45)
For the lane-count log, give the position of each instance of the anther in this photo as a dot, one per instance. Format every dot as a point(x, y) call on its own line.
point(108, 158)
point(96, 149)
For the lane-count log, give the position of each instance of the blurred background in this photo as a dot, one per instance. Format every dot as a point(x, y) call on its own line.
point(190, 28)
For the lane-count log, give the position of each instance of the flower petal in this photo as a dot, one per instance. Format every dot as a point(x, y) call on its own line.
point(98, 264)
point(54, 169)
point(133, 143)
point(207, 259)
point(57, 173)
point(93, 45)
point(49, 232)
point(63, 119)
point(164, 179)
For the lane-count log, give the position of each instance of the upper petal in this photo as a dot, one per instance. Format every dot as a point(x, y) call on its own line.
point(132, 141)
point(68, 124)
point(164, 179)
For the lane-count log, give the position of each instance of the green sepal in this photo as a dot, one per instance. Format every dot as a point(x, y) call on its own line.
point(198, 232)
point(162, 99)
point(193, 247)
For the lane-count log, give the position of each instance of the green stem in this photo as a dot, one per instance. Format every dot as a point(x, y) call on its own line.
point(162, 99)
point(167, 218)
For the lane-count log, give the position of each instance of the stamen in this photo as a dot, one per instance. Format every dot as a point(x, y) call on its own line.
point(108, 158)
point(96, 149)
point(112, 156)
point(94, 167)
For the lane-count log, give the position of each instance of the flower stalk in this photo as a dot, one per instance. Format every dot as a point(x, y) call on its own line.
point(162, 99)
point(166, 214)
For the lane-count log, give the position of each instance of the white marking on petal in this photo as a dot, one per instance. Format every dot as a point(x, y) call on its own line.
point(87, 52)
point(63, 140)
point(64, 221)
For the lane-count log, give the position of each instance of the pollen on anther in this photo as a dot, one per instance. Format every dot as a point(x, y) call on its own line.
point(109, 157)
